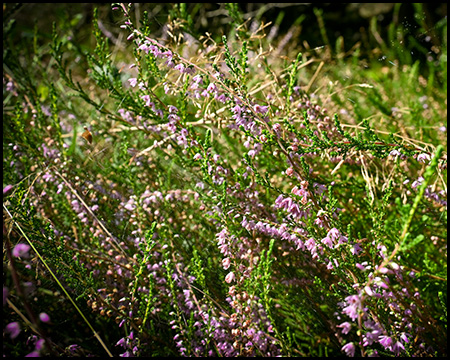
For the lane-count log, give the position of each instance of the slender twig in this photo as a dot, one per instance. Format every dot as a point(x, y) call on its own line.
point(57, 281)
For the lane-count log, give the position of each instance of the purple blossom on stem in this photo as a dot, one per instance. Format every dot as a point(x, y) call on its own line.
point(226, 262)
point(230, 277)
point(386, 341)
point(44, 317)
point(21, 250)
point(287, 203)
point(6, 189)
point(327, 241)
point(373, 333)
point(353, 306)
point(13, 329)
point(169, 56)
point(349, 349)
point(181, 68)
point(345, 326)
point(133, 82)
point(147, 100)
point(260, 109)
point(397, 347)
point(424, 157)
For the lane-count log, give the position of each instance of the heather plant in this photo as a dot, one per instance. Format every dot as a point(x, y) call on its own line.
point(172, 192)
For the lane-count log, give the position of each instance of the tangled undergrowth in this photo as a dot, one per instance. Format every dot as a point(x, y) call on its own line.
point(220, 194)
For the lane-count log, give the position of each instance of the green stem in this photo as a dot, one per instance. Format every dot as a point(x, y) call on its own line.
point(58, 282)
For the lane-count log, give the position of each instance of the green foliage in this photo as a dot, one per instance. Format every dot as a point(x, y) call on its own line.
point(197, 194)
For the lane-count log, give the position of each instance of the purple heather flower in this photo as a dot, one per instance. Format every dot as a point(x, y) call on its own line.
point(276, 127)
point(10, 86)
point(319, 222)
point(198, 79)
point(226, 263)
point(169, 62)
point(44, 317)
point(21, 250)
point(423, 157)
point(211, 87)
point(298, 191)
point(133, 82)
point(190, 70)
point(180, 68)
point(7, 188)
point(73, 348)
point(155, 51)
point(225, 249)
point(375, 330)
point(356, 249)
point(349, 349)
point(334, 234)
point(310, 244)
point(237, 110)
point(121, 342)
point(342, 239)
point(327, 241)
point(222, 98)
point(145, 47)
point(40, 344)
point(418, 182)
point(404, 337)
point(260, 109)
point(386, 341)
point(34, 353)
point(173, 118)
point(346, 326)
point(47, 177)
point(195, 86)
point(397, 347)
point(147, 100)
point(252, 153)
point(168, 54)
point(368, 291)
point(395, 153)
point(360, 266)
point(354, 303)
point(130, 205)
point(13, 329)
point(230, 277)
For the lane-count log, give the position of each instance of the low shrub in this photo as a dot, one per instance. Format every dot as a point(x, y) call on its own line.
point(222, 194)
